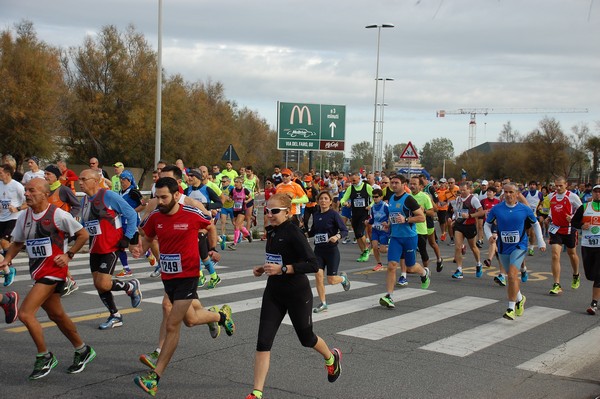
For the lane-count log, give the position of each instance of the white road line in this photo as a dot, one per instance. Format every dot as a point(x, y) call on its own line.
point(568, 358)
point(396, 325)
point(478, 338)
point(356, 305)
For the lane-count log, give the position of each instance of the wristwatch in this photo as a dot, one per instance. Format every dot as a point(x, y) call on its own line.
point(70, 254)
point(283, 269)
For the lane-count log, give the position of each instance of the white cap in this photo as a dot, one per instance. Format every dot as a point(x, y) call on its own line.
point(484, 182)
point(596, 186)
point(326, 170)
point(443, 180)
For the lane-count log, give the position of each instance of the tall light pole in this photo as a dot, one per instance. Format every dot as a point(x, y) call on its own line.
point(157, 133)
point(375, 143)
point(379, 165)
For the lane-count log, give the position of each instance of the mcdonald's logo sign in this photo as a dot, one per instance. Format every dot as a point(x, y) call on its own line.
point(300, 111)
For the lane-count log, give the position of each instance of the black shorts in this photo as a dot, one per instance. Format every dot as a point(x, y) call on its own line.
point(178, 289)
point(568, 240)
point(590, 257)
point(59, 284)
point(6, 229)
point(358, 223)
point(422, 245)
point(103, 263)
point(442, 216)
point(250, 204)
point(467, 230)
point(328, 257)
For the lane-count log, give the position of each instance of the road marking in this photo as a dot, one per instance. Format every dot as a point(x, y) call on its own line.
point(478, 338)
point(359, 304)
point(396, 325)
point(94, 316)
point(568, 358)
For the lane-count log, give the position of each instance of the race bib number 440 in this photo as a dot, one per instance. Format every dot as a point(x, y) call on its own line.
point(39, 247)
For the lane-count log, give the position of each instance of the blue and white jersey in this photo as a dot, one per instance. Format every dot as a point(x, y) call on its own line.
point(405, 205)
point(379, 214)
point(512, 224)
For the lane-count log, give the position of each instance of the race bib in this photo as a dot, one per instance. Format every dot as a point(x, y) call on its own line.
point(553, 229)
point(394, 217)
point(170, 263)
point(237, 206)
point(39, 247)
point(274, 258)
point(378, 226)
point(93, 227)
point(5, 204)
point(321, 238)
point(359, 202)
point(590, 240)
point(510, 237)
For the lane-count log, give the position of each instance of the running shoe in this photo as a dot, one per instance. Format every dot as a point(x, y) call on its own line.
point(530, 252)
point(479, 270)
point(201, 280)
point(387, 302)
point(354, 240)
point(346, 240)
point(228, 324)
point(509, 314)
point(556, 289)
point(463, 250)
point(487, 262)
point(223, 242)
point(112, 322)
point(135, 293)
point(156, 272)
point(231, 246)
point(253, 396)
point(321, 308)
point(500, 280)
point(11, 309)
point(213, 282)
point(70, 287)
point(346, 281)
point(458, 274)
point(9, 277)
point(575, 282)
point(443, 237)
point(43, 365)
point(378, 267)
point(213, 326)
point(150, 359)
point(334, 371)
point(593, 309)
point(81, 359)
point(148, 383)
point(425, 280)
point(402, 281)
point(520, 306)
point(479, 243)
point(151, 259)
point(249, 237)
point(451, 243)
point(524, 275)
point(364, 257)
point(439, 265)
point(125, 273)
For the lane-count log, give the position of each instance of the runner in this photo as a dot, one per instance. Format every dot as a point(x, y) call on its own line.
point(101, 214)
point(34, 170)
point(240, 196)
point(328, 229)
point(43, 230)
point(404, 213)
point(176, 228)
point(378, 216)
point(358, 197)
point(587, 218)
point(12, 200)
point(288, 259)
point(533, 197)
point(512, 219)
point(563, 205)
point(294, 191)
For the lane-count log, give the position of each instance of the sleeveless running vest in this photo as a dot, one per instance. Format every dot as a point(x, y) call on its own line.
point(103, 224)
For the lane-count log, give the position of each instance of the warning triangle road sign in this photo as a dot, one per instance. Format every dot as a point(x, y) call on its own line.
point(409, 152)
point(230, 154)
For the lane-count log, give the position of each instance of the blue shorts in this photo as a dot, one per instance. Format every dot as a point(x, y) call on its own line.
point(227, 212)
point(403, 248)
point(380, 236)
point(515, 258)
point(347, 212)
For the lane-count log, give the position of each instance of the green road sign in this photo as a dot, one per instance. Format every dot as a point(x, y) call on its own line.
point(311, 126)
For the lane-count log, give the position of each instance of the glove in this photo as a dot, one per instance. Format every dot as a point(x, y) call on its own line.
point(123, 243)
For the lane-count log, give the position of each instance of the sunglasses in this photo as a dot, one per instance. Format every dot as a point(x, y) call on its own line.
point(385, 182)
point(376, 196)
point(285, 175)
point(275, 211)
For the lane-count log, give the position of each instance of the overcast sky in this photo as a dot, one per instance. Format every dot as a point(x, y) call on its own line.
point(443, 54)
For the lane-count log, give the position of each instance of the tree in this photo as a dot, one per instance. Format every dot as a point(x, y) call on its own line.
point(435, 152)
point(508, 135)
point(388, 157)
point(593, 145)
point(397, 150)
point(579, 160)
point(549, 144)
point(361, 155)
point(30, 94)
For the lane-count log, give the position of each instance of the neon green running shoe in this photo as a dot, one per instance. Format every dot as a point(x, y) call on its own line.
point(148, 383)
point(425, 280)
point(576, 281)
point(520, 306)
point(387, 302)
point(214, 327)
point(150, 359)
point(509, 314)
point(556, 289)
point(201, 280)
point(228, 324)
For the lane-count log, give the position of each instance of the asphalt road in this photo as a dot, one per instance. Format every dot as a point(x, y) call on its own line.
point(449, 341)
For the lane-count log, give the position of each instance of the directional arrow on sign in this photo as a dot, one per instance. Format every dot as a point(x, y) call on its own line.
point(332, 126)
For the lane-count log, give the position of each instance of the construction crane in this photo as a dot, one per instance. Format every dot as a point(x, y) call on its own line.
point(474, 111)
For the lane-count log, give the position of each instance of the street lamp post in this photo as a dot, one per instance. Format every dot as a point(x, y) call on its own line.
point(376, 150)
point(379, 165)
point(157, 133)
